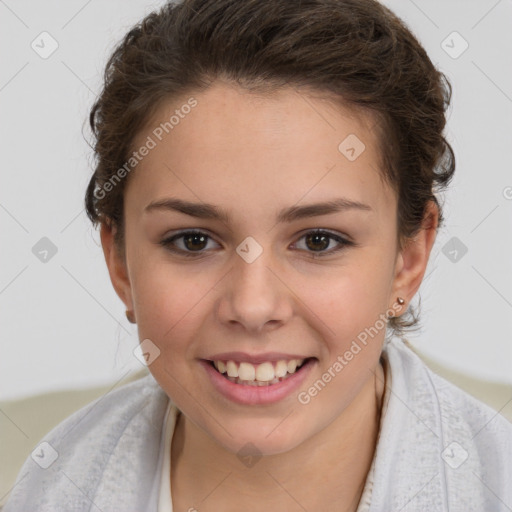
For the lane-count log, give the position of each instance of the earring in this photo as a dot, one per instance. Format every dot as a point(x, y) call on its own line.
point(391, 312)
point(130, 316)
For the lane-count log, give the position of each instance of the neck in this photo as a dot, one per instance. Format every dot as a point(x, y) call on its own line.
point(327, 471)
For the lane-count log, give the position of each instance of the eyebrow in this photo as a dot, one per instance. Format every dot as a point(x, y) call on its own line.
point(290, 214)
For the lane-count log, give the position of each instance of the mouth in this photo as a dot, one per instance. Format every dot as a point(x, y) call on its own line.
point(265, 374)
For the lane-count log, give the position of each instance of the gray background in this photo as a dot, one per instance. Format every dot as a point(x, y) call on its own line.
point(63, 326)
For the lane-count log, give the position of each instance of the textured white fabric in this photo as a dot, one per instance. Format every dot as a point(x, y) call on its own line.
point(164, 498)
point(439, 449)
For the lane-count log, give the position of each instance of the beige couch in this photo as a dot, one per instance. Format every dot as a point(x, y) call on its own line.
point(23, 423)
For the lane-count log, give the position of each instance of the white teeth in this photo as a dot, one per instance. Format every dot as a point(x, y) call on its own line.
point(258, 375)
point(292, 365)
point(232, 369)
point(264, 372)
point(281, 368)
point(246, 371)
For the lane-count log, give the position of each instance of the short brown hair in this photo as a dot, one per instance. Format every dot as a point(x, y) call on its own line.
point(356, 51)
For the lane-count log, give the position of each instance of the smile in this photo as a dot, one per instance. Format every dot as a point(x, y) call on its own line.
point(264, 374)
point(261, 383)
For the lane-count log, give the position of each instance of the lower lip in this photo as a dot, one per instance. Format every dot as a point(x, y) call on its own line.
point(257, 395)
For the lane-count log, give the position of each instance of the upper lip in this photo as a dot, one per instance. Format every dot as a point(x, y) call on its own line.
point(241, 357)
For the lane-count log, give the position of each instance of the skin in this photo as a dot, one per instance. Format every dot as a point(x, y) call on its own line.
point(253, 155)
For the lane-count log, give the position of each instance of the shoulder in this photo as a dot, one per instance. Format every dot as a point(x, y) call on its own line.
point(444, 437)
point(109, 447)
point(459, 411)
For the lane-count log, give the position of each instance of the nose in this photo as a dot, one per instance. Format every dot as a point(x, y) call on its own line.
point(254, 296)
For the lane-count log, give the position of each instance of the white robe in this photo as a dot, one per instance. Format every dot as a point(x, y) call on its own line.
point(439, 449)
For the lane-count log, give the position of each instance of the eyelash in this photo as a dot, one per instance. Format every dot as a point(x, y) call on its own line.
point(167, 243)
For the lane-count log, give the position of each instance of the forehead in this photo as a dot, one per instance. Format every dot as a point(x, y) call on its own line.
point(260, 147)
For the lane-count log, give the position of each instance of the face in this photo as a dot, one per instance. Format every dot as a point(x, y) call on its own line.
point(264, 278)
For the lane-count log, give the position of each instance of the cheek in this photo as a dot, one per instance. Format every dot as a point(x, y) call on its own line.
point(173, 303)
point(170, 309)
point(348, 301)
point(350, 314)
point(351, 319)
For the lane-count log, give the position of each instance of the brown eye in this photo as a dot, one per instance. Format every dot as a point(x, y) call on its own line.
point(193, 243)
point(318, 241)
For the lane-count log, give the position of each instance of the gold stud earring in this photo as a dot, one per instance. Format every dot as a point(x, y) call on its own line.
point(391, 312)
point(130, 316)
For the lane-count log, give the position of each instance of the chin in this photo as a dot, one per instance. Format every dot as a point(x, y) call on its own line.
point(258, 440)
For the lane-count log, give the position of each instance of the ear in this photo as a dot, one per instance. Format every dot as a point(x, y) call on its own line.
point(412, 261)
point(116, 264)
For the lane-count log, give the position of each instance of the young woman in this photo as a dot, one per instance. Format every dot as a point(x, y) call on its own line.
point(266, 186)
